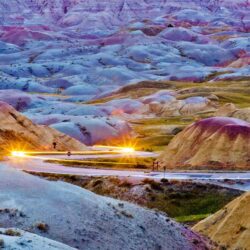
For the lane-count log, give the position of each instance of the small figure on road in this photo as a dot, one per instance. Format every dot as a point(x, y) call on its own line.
point(155, 166)
point(164, 168)
point(54, 145)
point(69, 154)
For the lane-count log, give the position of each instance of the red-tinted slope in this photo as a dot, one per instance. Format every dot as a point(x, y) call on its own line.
point(218, 142)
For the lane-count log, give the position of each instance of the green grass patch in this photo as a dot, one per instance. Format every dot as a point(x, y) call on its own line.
point(175, 120)
point(154, 143)
point(191, 218)
point(183, 203)
point(108, 163)
point(150, 136)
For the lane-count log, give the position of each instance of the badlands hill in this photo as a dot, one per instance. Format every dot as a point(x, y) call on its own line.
point(229, 227)
point(82, 219)
point(217, 143)
point(18, 133)
point(119, 42)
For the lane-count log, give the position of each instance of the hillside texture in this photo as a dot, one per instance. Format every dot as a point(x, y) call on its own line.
point(230, 227)
point(82, 219)
point(217, 143)
point(19, 133)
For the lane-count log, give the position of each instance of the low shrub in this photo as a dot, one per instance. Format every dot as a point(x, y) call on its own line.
point(1, 243)
point(12, 232)
point(42, 227)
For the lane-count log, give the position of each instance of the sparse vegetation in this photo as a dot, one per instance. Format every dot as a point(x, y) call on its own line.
point(43, 227)
point(1, 243)
point(109, 163)
point(12, 232)
point(151, 132)
point(191, 218)
point(185, 201)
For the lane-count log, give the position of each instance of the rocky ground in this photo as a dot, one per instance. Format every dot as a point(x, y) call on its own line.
point(17, 239)
point(84, 220)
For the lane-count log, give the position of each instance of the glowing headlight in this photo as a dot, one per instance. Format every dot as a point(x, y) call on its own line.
point(18, 154)
point(128, 150)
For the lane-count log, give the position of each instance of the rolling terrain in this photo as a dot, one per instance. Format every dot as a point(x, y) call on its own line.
point(55, 66)
point(84, 220)
point(164, 76)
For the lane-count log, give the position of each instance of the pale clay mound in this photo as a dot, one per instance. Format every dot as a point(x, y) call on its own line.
point(189, 106)
point(82, 219)
point(229, 227)
point(230, 110)
point(218, 142)
point(18, 132)
point(25, 240)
